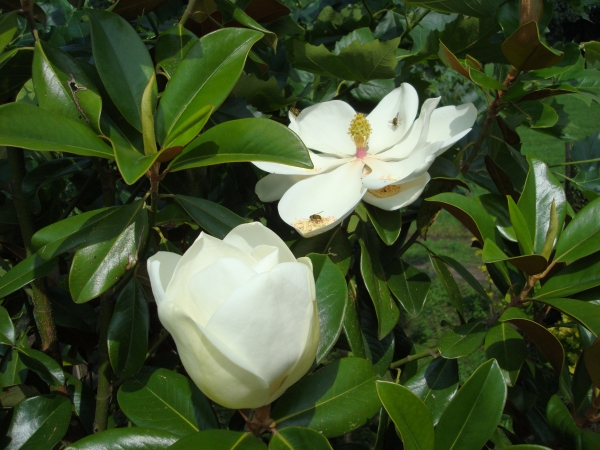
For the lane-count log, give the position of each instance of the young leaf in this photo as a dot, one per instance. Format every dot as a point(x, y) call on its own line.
point(525, 51)
point(25, 272)
point(582, 236)
point(576, 277)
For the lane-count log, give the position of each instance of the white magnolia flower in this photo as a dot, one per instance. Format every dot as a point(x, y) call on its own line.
point(242, 312)
point(381, 158)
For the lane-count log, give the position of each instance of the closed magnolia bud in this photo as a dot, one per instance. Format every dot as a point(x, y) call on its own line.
point(242, 312)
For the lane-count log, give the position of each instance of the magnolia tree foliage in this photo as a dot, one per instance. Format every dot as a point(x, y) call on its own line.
point(154, 294)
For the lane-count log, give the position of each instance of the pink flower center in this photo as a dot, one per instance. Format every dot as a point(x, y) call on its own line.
point(361, 152)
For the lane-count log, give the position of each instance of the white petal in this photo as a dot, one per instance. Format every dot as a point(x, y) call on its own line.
point(221, 379)
point(384, 173)
point(203, 252)
point(321, 163)
point(401, 104)
point(332, 195)
point(160, 271)
point(448, 143)
point(416, 136)
point(308, 262)
point(209, 288)
point(293, 122)
point(324, 127)
point(409, 193)
point(248, 236)
point(449, 121)
point(266, 256)
point(265, 323)
point(273, 186)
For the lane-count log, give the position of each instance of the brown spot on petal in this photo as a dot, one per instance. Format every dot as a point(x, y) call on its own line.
point(386, 191)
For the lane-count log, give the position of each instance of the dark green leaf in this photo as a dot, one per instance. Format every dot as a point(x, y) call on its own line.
point(582, 236)
point(171, 47)
point(524, 235)
point(576, 277)
point(244, 140)
point(410, 415)
point(122, 62)
point(530, 264)
point(62, 87)
point(449, 284)
point(549, 344)
point(25, 272)
point(128, 331)
point(263, 95)
point(67, 234)
point(47, 369)
point(357, 62)
point(297, 438)
point(126, 439)
point(473, 8)
point(212, 217)
point(12, 369)
point(205, 76)
point(588, 173)
point(11, 396)
point(539, 114)
point(8, 27)
point(465, 274)
point(586, 313)
point(39, 422)
point(335, 400)
point(15, 70)
point(409, 285)
point(436, 383)
point(333, 243)
point(462, 340)
point(52, 132)
point(238, 15)
point(475, 412)
point(560, 420)
point(7, 330)
point(386, 223)
point(591, 356)
point(352, 329)
point(110, 251)
point(165, 400)
point(331, 301)
point(219, 440)
point(507, 347)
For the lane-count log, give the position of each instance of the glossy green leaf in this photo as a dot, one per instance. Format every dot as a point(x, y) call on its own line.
point(560, 420)
point(297, 438)
point(67, 234)
point(525, 51)
point(530, 264)
point(62, 86)
point(219, 440)
point(591, 356)
point(379, 351)
point(436, 383)
point(134, 438)
point(576, 277)
point(263, 95)
point(386, 223)
point(374, 278)
point(39, 423)
point(7, 330)
point(449, 284)
point(8, 27)
point(25, 272)
point(483, 80)
point(244, 140)
point(12, 369)
point(409, 285)
point(205, 76)
point(410, 415)
point(475, 411)
point(507, 347)
point(352, 329)
point(333, 401)
point(548, 344)
point(171, 47)
point(586, 313)
point(465, 274)
point(470, 213)
point(238, 15)
point(462, 340)
point(475, 8)
point(356, 62)
point(11, 396)
point(128, 331)
point(331, 301)
point(147, 117)
point(333, 243)
point(539, 114)
point(582, 236)
point(165, 400)
point(212, 217)
point(47, 369)
point(524, 236)
point(51, 132)
point(122, 61)
point(110, 251)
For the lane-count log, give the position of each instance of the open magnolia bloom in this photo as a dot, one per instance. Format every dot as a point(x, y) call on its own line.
point(381, 158)
point(242, 312)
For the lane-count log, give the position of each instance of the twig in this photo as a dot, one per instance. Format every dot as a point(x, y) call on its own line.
point(433, 352)
point(188, 11)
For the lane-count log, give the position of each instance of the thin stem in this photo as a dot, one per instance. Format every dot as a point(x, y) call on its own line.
point(410, 26)
point(433, 352)
point(188, 11)
point(27, 7)
point(73, 203)
point(41, 303)
point(347, 89)
point(574, 163)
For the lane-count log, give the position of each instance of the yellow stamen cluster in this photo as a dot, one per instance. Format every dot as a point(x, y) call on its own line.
point(360, 130)
point(387, 191)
